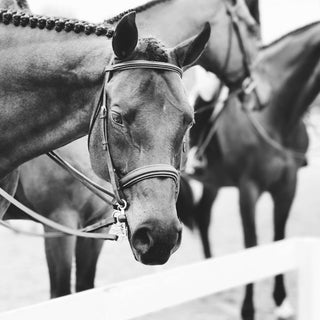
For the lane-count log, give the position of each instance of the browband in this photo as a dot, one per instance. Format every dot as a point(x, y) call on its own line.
point(144, 64)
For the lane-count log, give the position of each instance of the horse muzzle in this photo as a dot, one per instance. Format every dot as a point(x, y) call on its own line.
point(154, 242)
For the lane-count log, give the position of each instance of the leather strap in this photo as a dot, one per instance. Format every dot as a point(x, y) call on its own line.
point(148, 172)
point(90, 184)
point(206, 136)
point(269, 139)
point(144, 64)
point(235, 23)
point(57, 226)
point(248, 85)
point(106, 148)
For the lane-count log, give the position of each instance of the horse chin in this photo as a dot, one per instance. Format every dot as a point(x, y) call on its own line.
point(156, 257)
point(145, 259)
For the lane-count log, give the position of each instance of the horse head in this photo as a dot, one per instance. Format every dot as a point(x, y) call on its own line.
point(147, 118)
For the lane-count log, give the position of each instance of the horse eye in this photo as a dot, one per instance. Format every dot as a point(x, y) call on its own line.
point(116, 117)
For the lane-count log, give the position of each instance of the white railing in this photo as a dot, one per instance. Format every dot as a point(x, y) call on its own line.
point(140, 296)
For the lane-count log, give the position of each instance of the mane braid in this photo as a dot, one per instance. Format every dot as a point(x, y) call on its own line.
point(291, 33)
point(138, 9)
point(25, 19)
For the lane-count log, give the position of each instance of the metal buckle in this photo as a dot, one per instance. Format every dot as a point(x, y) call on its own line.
point(103, 112)
point(248, 85)
point(119, 228)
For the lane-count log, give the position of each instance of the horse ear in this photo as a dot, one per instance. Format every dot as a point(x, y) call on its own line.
point(125, 36)
point(189, 51)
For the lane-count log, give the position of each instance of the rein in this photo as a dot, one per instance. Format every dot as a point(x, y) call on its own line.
point(90, 184)
point(118, 219)
point(205, 139)
point(61, 228)
point(268, 139)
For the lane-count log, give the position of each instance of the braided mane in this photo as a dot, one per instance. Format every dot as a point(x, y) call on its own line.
point(138, 9)
point(25, 19)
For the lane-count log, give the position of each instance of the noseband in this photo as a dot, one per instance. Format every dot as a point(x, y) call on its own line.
point(101, 112)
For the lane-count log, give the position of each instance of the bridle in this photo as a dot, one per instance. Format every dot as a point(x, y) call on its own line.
point(118, 219)
point(247, 86)
point(207, 133)
point(102, 112)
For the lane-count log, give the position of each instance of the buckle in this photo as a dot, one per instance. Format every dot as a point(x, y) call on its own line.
point(119, 228)
point(103, 112)
point(248, 85)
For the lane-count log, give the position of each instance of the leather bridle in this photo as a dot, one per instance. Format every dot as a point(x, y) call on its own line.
point(102, 112)
point(247, 86)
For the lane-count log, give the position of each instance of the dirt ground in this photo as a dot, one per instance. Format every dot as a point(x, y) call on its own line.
point(23, 270)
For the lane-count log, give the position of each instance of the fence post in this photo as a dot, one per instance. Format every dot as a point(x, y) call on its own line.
point(308, 253)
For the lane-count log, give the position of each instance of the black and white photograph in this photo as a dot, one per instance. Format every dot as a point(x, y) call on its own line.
point(160, 160)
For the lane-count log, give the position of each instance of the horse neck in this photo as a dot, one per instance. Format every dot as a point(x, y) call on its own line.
point(173, 21)
point(169, 23)
point(51, 91)
point(292, 66)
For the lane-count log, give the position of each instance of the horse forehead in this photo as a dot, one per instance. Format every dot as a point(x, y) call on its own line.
point(149, 87)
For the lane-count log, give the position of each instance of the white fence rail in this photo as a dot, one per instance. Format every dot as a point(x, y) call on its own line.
point(127, 300)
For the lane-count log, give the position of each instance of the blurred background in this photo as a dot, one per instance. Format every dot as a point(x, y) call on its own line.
point(23, 272)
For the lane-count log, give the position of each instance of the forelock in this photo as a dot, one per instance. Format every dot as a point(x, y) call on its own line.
point(151, 49)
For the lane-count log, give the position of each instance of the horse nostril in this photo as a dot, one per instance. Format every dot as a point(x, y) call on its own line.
point(141, 240)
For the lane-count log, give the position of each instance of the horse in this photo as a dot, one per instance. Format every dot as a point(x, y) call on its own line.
point(261, 151)
point(62, 63)
point(222, 19)
point(63, 207)
point(227, 62)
